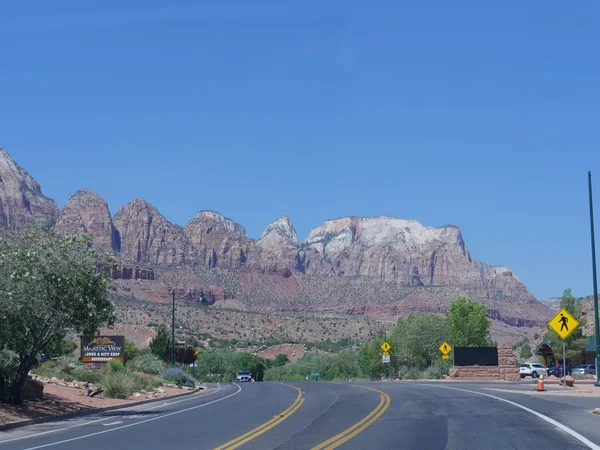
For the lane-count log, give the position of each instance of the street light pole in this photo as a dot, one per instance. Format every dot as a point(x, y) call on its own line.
point(595, 280)
point(173, 334)
point(200, 300)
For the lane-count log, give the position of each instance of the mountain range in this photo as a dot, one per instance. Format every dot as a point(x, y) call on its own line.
point(371, 266)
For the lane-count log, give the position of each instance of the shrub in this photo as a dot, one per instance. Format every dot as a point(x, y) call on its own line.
point(143, 382)
point(115, 366)
point(118, 384)
point(178, 377)
point(131, 350)
point(147, 363)
point(66, 364)
point(88, 376)
point(412, 373)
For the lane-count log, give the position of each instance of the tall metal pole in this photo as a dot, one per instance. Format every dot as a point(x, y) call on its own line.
point(173, 334)
point(595, 280)
point(564, 364)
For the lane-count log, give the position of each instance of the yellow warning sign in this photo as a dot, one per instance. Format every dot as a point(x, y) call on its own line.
point(563, 324)
point(445, 357)
point(385, 347)
point(445, 348)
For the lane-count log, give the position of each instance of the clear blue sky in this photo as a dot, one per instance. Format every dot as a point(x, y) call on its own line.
point(480, 114)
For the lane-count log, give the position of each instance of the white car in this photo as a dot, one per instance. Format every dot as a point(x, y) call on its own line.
point(244, 376)
point(532, 370)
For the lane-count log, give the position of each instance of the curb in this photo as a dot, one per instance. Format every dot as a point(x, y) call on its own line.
point(87, 412)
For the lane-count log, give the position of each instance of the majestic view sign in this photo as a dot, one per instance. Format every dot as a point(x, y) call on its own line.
point(103, 349)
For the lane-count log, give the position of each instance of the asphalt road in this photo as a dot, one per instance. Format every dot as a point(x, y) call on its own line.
point(318, 415)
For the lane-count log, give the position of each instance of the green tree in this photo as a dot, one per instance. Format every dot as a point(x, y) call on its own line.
point(416, 339)
point(60, 346)
point(468, 323)
point(131, 350)
point(281, 360)
point(576, 342)
point(525, 351)
point(160, 344)
point(48, 283)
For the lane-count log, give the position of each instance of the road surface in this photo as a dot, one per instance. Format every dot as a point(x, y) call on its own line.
point(319, 415)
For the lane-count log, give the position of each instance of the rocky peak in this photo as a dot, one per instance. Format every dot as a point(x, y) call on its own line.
point(283, 228)
point(218, 241)
point(218, 219)
point(147, 237)
point(87, 212)
point(21, 198)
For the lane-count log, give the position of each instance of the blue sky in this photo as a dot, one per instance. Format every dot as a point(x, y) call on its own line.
point(468, 113)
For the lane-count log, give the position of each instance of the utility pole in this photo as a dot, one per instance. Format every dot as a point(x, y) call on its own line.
point(597, 333)
point(201, 299)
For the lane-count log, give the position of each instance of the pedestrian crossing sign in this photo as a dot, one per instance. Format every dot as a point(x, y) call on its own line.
point(445, 348)
point(563, 324)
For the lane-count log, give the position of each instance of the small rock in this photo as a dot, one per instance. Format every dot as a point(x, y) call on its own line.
point(137, 394)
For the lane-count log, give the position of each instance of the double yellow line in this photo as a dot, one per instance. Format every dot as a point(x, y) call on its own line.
point(358, 427)
point(254, 433)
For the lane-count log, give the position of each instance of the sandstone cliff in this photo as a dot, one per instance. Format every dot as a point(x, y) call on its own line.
point(21, 198)
point(146, 237)
point(87, 212)
point(218, 241)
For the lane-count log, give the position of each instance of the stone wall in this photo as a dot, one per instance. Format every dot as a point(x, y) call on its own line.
point(506, 370)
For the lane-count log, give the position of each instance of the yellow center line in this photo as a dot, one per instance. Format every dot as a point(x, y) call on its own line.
point(255, 432)
point(358, 427)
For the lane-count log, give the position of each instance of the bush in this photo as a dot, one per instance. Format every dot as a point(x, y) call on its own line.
point(412, 373)
point(147, 363)
point(131, 350)
point(88, 376)
point(115, 366)
point(118, 384)
point(66, 364)
point(178, 377)
point(143, 382)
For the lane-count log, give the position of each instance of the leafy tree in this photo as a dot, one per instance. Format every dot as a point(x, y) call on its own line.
point(281, 360)
point(48, 284)
point(576, 342)
point(416, 339)
point(160, 344)
point(60, 346)
point(369, 357)
point(131, 350)
point(525, 351)
point(468, 322)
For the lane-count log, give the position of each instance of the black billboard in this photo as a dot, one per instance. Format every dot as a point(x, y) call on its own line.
point(475, 356)
point(102, 349)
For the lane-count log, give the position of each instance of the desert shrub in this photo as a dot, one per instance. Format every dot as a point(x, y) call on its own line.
point(118, 384)
point(144, 382)
point(412, 373)
point(147, 363)
point(115, 366)
point(578, 376)
point(66, 364)
point(178, 377)
point(131, 350)
point(88, 376)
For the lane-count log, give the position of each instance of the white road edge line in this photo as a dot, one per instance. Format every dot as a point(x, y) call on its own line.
point(558, 425)
point(138, 423)
point(125, 408)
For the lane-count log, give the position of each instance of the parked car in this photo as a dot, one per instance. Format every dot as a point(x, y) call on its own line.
point(555, 371)
point(532, 370)
point(244, 376)
point(586, 369)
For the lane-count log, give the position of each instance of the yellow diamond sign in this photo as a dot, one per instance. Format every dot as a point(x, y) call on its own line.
point(445, 348)
point(563, 324)
point(385, 347)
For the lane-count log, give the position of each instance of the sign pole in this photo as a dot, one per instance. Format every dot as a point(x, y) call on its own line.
point(565, 363)
point(595, 279)
point(173, 334)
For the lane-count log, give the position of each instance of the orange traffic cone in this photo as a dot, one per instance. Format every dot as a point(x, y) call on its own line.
point(540, 383)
